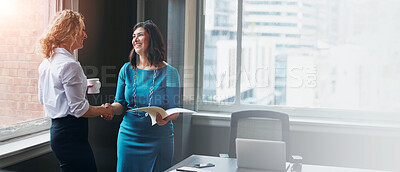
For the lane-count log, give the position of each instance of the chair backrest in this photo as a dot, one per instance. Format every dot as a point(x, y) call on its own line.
point(259, 124)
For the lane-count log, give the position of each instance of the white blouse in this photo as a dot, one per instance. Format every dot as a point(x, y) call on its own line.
point(62, 86)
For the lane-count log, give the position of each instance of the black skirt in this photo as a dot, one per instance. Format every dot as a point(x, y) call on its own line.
point(69, 142)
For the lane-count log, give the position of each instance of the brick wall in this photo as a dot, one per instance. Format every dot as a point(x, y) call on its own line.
point(21, 25)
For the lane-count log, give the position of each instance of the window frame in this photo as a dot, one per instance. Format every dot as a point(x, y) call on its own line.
point(386, 118)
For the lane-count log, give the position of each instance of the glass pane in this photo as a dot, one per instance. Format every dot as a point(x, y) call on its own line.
point(270, 30)
point(22, 22)
point(321, 54)
point(219, 75)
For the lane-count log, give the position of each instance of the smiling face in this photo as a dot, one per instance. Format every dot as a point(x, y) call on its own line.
point(140, 40)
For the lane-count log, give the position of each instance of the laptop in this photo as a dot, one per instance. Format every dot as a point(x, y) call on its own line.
point(261, 154)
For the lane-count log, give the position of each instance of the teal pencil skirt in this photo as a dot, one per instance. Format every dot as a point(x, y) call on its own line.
point(141, 154)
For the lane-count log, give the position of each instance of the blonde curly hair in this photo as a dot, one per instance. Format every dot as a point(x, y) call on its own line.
point(66, 26)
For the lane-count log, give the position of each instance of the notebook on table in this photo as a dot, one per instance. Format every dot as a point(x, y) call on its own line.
point(261, 154)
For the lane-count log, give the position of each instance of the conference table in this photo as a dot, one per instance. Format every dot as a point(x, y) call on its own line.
point(230, 165)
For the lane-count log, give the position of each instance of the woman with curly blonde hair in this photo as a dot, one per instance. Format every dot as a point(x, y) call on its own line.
point(62, 89)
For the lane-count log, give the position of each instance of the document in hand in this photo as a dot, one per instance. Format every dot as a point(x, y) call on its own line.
point(152, 111)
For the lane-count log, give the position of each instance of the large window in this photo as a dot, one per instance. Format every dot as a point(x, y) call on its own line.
point(331, 54)
point(22, 22)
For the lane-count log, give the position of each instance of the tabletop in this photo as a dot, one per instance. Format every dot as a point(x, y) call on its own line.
point(230, 165)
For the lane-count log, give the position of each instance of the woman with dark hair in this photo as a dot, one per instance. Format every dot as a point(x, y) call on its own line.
point(147, 80)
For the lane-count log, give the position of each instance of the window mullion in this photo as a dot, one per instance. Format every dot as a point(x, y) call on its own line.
point(239, 51)
point(200, 52)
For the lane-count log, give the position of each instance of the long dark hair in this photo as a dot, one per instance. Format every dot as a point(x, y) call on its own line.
point(155, 50)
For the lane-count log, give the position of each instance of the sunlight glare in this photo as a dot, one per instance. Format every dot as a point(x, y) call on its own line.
point(7, 7)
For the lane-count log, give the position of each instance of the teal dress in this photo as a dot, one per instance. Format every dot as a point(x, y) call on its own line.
point(142, 147)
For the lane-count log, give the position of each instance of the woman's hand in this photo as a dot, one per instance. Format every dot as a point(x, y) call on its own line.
point(88, 86)
point(109, 112)
point(162, 122)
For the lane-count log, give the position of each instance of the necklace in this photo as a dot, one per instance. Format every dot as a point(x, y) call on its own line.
point(150, 93)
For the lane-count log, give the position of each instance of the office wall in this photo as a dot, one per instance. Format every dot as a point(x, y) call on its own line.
point(345, 146)
point(43, 163)
point(109, 27)
point(350, 147)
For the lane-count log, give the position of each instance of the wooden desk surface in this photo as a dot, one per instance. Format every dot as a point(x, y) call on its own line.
point(230, 165)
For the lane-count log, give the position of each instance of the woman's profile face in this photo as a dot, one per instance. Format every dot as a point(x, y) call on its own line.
point(79, 39)
point(140, 40)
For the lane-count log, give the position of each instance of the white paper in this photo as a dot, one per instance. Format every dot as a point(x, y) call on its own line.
point(152, 111)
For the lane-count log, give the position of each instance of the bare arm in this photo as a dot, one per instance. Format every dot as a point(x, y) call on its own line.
point(95, 111)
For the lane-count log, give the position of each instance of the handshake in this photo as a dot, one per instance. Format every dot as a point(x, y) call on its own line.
point(108, 111)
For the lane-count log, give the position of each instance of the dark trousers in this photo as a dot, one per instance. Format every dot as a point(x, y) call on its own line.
point(69, 142)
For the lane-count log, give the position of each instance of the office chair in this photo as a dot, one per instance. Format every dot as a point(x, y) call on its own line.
point(259, 124)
